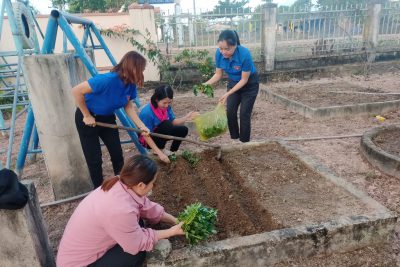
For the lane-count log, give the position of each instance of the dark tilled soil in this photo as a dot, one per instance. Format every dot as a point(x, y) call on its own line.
point(389, 141)
point(255, 190)
point(293, 193)
point(333, 94)
point(211, 183)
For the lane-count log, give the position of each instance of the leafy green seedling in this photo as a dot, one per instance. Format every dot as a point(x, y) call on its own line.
point(206, 89)
point(199, 222)
point(191, 158)
point(172, 157)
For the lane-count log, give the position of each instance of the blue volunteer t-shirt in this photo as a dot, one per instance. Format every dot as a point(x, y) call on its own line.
point(241, 61)
point(109, 93)
point(149, 119)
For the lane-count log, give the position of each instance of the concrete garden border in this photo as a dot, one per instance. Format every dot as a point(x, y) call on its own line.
point(379, 158)
point(331, 111)
point(340, 235)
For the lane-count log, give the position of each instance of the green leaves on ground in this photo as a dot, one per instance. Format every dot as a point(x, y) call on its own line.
point(199, 222)
point(191, 158)
point(206, 89)
point(172, 157)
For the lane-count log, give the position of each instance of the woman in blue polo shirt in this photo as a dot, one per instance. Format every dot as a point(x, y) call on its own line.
point(159, 118)
point(243, 83)
point(97, 99)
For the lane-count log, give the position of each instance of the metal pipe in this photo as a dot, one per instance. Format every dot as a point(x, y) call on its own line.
point(13, 116)
point(26, 136)
point(49, 41)
point(2, 9)
point(77, 45)
point(103, 44)
point(70, 18)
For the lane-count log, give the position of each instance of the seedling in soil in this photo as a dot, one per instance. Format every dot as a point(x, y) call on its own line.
point(172, 158)
point(199, 222)
point(191, 158)
point(206, 89)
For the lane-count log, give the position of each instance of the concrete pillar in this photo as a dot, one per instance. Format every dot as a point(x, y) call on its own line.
point(191, 31)
point(371, 29)
point(24, 240)
point(142, 18)
point(179, 26)
point(50, 79)
point(268, 35)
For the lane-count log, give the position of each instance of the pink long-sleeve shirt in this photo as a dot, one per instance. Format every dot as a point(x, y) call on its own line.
point(104, 219)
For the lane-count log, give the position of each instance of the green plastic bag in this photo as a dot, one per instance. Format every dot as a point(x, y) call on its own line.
point(212, 124)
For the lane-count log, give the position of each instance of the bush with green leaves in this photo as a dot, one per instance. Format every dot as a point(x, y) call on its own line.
point(199, 222)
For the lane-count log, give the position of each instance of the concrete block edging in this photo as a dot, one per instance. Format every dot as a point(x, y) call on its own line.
point(331, 111)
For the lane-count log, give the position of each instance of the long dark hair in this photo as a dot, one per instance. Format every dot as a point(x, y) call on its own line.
point(131, 67)
point(137, 169)
point(231, 37)
point(161, 92)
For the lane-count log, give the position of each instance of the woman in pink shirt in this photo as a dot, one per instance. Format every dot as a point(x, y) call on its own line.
point(104, 229)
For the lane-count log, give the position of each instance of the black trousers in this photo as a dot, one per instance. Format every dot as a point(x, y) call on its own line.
point(245, 97)
point(116, 257)
point(166, 127)
point(90, 141)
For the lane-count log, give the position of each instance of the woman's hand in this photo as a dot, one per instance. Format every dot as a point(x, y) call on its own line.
point(89, 121)
point(191, 115)
point(163, 157)
point(222, 99)
point(146, 131)
point(177, 229)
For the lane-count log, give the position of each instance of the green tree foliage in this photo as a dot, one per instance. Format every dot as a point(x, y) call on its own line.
point(333, 3)
point(228, 8)
point(80, 6)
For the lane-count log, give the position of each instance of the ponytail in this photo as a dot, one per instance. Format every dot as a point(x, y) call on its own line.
point(109, 183)
point(237, 38)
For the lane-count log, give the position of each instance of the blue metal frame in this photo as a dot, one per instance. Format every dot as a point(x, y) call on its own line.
point(63, 20)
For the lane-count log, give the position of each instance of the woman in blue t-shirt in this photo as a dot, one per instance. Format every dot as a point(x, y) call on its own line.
point(243, 83)
point(97, 99)
point(159, 118)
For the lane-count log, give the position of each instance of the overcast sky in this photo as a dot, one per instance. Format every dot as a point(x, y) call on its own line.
point(44, 5)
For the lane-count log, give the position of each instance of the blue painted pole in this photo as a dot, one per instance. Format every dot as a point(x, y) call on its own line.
point(2, 9)
point(65, 45)
point(76, 44)
point(126, 121)
point(49, 41)
point(23, 149)
point(85, 36)
point(33, 145)
point(103, 44)
point(2, 122)
point(13, 114)
point(14, 28)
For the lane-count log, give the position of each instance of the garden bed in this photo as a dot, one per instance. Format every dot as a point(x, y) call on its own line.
point(333, 99)
point(272, 205)
point(381, 147)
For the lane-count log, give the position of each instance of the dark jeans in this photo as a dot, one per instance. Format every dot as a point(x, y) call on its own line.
point(90, 142)
point(116, 257)
point(167, 128)
point(245, 98)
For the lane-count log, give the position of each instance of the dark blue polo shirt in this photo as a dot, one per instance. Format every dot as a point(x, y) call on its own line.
point(241, 61)
point(149, 119)
point(109, 93)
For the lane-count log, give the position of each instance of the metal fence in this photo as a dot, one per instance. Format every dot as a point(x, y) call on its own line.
point(200, 29)
point(305, 33)
point(389, 30)
point(300, 32)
